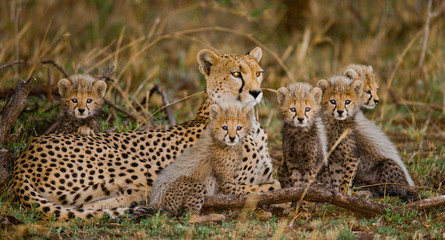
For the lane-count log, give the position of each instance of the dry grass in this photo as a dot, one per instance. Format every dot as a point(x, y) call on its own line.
point(156, 42)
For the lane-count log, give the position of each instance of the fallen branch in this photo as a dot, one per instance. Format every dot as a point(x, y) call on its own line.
point(314, 194)
point(165, 102)
point(10, 64)
point(14, 107)
point(317, 193)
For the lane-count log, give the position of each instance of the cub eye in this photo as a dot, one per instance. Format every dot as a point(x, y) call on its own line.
point(347, 102)
point(258, 74)
point(308, 109)
point(239, 128)
point(74, 100)
point(224, 128)
point(293, 109)
point(236, 74)
point(89, 100)
point(368, 92)
point(332, 101)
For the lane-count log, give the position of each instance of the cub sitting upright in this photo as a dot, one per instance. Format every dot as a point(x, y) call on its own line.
point(304, 136)
point(210, 165)
point(377, 156)
point(366, 74)
point(81, 101)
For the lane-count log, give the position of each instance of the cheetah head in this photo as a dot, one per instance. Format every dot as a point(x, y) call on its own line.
point(341, 96)
point(364, 73)
point(299, 103)
point(232, 77)
point(81, 95)
point(230, 123)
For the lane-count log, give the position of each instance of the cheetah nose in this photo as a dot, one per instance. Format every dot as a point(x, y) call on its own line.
point(340, 112)
point(232, 139)
point(255, 93)
point(300, 119)
point(81, 110)
point(376, 101)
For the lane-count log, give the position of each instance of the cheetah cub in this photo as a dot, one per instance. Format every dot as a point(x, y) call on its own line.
point(206, 168)
point(304, 136)
point(366, 74)
point(82, 97)
point(340, 104)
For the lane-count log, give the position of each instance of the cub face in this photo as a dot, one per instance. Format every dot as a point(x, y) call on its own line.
point(81, 95)
point(230, 123)
point(232, 77)
point(364, 73)
point(299, 103)
point(341, 96)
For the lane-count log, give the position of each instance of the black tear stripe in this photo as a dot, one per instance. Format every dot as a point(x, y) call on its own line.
point(294, 116)
point(242, 80)
point(306, 115)
point(369, 99)
point(77, 104)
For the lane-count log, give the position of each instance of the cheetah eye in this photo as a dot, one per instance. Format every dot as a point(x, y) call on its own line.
point(74, 100)
point(236, 74)
point(89, 100)
point(258, 74)
point(239, 128)
point(308, 109)
point(293, 109)
point(332, 102)
point(347, 102)
point(368, 92)
point(224, 128)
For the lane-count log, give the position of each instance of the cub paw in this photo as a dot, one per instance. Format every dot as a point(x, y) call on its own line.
point(85, 131)
point(195, 218)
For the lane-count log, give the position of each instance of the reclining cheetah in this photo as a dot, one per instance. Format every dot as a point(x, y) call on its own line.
point(365, 154)
point(82, 97)
point(206, 168)
point(70, 176)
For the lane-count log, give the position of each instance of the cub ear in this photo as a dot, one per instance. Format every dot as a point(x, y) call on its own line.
point(63, 85)
point(323, 84)
point(350, 73)
point(206, 59)
point(357, 85)
point(248, 111)
point(317, 93)
point(282, 92)
point(100, 87)
point(215, 110)
point(256, 53)
point(370, 68)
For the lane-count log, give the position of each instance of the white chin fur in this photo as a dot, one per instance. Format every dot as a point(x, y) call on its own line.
point(302, 125)
point(231, 143)
point(368, 106)
point(341, 118)
point(81, 116)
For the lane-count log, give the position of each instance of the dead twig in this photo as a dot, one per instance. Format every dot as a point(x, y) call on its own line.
point(168, 110)
point(57, 66)
point(10, 64)
point(107, 75)
point(122, 110)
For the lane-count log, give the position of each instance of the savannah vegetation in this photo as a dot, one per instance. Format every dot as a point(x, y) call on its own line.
point(153, 44)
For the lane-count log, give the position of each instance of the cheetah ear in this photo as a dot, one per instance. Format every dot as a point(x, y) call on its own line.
point(206, 59)
point(350, 73)
point(316, 92)
point(215, 110)
point(323, 84)
point(282, 92)
point(357, 85)
point(64, 84)
point(100, 87)
point(370, 68)
point(248, 111)
point(256, 53)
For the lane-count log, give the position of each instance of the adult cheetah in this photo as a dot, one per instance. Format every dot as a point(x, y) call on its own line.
point(73, 176)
